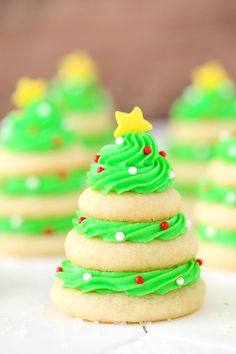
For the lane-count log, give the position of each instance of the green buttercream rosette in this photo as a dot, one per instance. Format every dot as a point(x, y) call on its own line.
point(158, 282)
point(37, 128)
point(35, 227)
point(198, 104)
point(218, 236)
point(79, 96)
point(58, 183)
point(209, 191)
point(124, 166)
point(143, 232)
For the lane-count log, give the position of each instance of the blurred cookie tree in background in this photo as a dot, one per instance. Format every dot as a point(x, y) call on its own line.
point(145, 49)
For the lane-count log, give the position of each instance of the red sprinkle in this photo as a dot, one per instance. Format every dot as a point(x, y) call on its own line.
point(57, 141)
point(96, 158)
point(48, 230)
point(59, 269)
point(62, 174)
point(81, 219)
point(162, 153)
point(33, 129)
point(199, 261)
point(207, 187)
point(147, 150)
point(100, 169)
point(139, 280)
point(164, 225)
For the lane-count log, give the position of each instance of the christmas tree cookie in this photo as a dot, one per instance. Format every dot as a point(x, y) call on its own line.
point(41, 172)
point(197, 117)
point(216, 209)
point(86, 105)
point(130, 256)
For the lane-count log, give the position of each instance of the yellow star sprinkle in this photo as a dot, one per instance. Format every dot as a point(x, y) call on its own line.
point(77, 65)
point(131, 122)
point(27, 91)
point(209, 76)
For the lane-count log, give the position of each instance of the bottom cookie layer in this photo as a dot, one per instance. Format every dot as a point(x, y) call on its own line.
point(122, 308)
point(32, 246)
point(217, 256)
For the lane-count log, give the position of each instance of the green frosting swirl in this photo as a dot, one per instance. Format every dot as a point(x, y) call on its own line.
point(226, 149)
point(158, 282)
point(191, 152)
point(79, 96)
point(211, 192)
point(213, 104)
point(153, 171)
point(38, 128)
point(60, 183)
point(214, 235)
point(133, 232)
point(35, 227)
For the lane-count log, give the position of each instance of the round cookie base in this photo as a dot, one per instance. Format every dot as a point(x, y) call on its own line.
point(27, 246)
point(115, 308)
point(217, 256)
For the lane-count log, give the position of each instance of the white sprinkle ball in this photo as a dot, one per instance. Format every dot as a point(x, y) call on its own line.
point(232, 151)
point(120, 236)
point(230, 197)
point(192, 94)
point(44, 109)
point(171, 175)
point(188, 223)
point(224, 135)
point(16, 221)
point(119, 140)
point(32, 182)
point(132, 170)
point(180, 281)
point(87, 276)
point(6, 131)
point(210, 231)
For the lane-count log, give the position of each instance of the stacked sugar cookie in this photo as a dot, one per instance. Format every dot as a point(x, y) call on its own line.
point(42, 170)
point(206, 108)
point(86, 105)
point(130, 256)
point(216, 209)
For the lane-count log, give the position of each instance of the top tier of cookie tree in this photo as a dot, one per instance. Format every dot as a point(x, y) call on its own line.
point(42, 170)
point(79, 93)
point(130, 256)
point(197, 117)
point(216, 209)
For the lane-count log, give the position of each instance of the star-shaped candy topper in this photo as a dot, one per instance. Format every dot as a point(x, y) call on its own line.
point(209, 76)
point(77, 66)
point(27, 91)
point(132, 122)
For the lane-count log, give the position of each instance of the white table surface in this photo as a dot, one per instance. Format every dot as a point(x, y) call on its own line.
point(29, 323)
